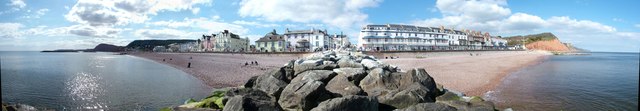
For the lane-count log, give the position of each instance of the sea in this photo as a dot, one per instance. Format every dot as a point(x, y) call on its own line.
point(597, 82)
point(94, 81)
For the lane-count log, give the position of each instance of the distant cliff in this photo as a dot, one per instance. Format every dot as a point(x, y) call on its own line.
point(148, 45)
point(108, 48)
point(543, 41)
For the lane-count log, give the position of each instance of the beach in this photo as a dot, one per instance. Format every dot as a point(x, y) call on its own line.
point(472, 75)
point(220, 70)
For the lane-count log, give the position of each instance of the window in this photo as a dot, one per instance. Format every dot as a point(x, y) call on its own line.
point(279, 43)
point(264, 44)
point(316, 37)
point(317, 43)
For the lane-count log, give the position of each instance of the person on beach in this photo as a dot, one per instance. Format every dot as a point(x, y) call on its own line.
point(470, 54)
point(190, 57)
point(189, 65)
point(170, 58)
point(163, 60)
point(246, 63)
point(256, 62)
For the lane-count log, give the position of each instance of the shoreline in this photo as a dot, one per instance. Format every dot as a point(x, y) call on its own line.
point(230, 70)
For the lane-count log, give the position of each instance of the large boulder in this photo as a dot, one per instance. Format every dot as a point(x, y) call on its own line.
point(348, 103)
point(379, 82)
point(421, 77)
point(412, 95)
point(354, 75)
point(269, 84)
point(340, 87)
point(371, 63)
point(304, 65)
point(303, 95)
point(314, 75)
point(348, 62)
point(465, 103)
point(428, 107)
point(247, 99)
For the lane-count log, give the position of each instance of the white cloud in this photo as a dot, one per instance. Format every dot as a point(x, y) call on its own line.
point(211, 25)
point(339, 13)
point(91, 31)
point(17, 4)
point(37, 14)
point(566, 24)
point(19, 31)
point(164, 34)
point(121, 12)
point(474, 10)
point(253, 23)
point(10, 30)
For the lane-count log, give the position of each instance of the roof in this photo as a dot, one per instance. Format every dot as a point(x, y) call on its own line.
point(271, 36)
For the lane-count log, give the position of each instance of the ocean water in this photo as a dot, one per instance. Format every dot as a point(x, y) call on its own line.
point(92, 81)
point(600, 81)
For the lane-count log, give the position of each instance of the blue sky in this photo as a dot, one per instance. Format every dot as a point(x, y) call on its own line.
point(596, 25)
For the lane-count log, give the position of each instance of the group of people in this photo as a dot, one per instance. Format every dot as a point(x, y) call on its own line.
point(471, 54)
point(252, 63)
point(392, 57)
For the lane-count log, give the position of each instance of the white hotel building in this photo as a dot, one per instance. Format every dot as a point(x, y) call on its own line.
point(394, 37)
point(307, 40)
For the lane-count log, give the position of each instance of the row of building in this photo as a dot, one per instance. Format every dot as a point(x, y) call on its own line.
point(389, 37)
point(394, 37)
point(289, 41)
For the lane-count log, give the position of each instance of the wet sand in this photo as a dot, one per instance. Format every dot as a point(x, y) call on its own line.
point(472, 75)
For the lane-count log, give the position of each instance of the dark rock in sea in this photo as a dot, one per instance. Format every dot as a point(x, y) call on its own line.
point(428, 107)
point(348, 103)
point(246, 99)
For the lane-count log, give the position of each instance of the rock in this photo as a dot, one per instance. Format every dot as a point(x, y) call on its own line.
point(340, 87)
point(304, 65)
point(428, 107)
point(251, 82)
point(371, 64)
point(315, 75)
point(354, 75)
point(303, 95)
point(412, 95)
point(348, 103)
point(343, 63)
point(247, 99)
point(379, 82)
point(473, 103)
point(421, 77)
point(269, 84)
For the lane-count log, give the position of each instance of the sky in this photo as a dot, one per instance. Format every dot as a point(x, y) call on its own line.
point(32, 25)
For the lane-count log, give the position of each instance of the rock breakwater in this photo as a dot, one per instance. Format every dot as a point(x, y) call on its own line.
point(340, 80)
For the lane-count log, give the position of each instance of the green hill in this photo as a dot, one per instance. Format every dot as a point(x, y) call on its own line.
point(517, 40)
point(148, 45)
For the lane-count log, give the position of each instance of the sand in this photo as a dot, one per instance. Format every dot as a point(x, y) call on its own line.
point(473, 75)
point(219, 70)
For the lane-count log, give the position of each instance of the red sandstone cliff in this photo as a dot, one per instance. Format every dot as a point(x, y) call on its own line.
point(549, 45)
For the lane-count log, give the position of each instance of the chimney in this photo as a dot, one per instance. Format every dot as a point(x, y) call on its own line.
point(226, 31)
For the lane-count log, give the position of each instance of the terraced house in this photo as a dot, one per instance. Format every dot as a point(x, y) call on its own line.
point(394, 37)
point(271, 42)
